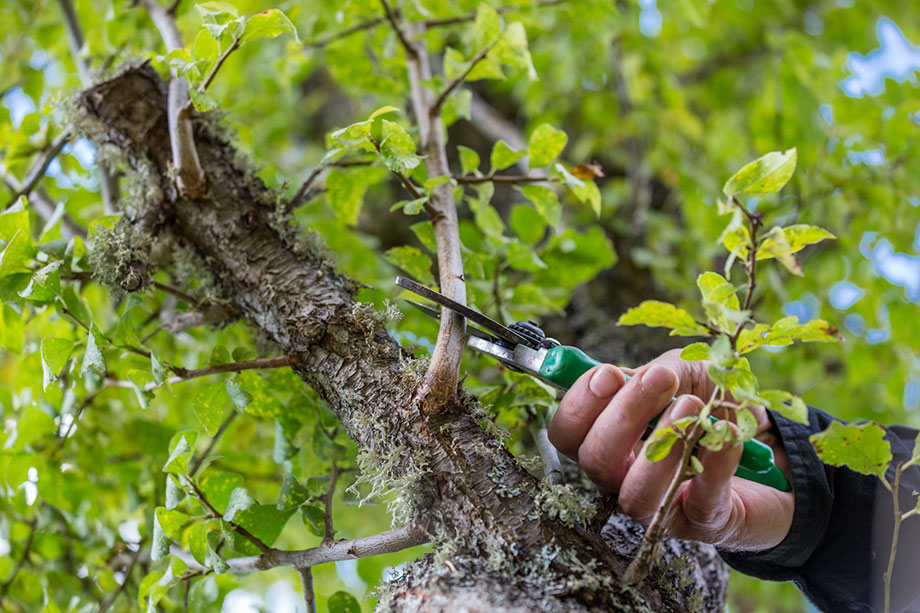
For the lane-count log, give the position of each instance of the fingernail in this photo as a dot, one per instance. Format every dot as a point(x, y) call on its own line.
point(659, 379)
point(604, 382)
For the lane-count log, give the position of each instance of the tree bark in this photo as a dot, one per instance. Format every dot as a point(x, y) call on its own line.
point(482, 508)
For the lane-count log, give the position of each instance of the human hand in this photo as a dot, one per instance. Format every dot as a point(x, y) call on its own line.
point(601, 420)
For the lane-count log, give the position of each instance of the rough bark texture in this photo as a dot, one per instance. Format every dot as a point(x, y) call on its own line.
point(483, 507)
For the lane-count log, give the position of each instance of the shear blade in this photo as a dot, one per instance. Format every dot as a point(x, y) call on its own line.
point(502, 332)
point(472, 331)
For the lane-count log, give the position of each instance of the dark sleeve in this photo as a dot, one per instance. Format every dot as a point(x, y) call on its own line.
point(838, 547)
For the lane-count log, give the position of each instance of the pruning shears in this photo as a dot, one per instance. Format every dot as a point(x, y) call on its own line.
point(524, 347)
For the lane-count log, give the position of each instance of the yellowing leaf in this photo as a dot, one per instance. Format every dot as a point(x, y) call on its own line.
point(787, 404)
point(860, 447)
point(765, 175)
point(397, 148)
point(486, 27)
point(545, 144)
point(657, 314)
point(545, 201)
point(413, 261)
point(695, 352)
point(504, 156)
point(268, 24)
point(469, 159)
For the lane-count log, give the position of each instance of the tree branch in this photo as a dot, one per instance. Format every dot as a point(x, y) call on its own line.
point(196, 463)
point(46, 208)
point(442, 97)
point(215, 514)
point(37, 171)
point(439, 385)
point(391, 16)
point(328, 532)
point(220, 62)
point(191, 180)
point(306, 580)
point(553, 467)
point(27, 549)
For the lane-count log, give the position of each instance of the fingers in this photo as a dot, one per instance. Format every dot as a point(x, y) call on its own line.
point(607, 450)
point(646, 481)
point(581, 405)
point(693, 376)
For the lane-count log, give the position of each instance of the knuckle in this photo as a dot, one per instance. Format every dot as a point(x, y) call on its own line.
point(599, 468)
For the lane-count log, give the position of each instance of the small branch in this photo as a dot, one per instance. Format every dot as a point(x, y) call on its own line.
point(121, 586)
point(37, 172)
point(397, 539)
point(360, 27)
point(62, 438)
point(306, 580)
point(277, 362)
point(220, 62)
point(215, 514)
point(895, 533)
point(411, 51)
point(328, 532)
point(176, 292)
point(472, 179)
point(174, 7)
point(755, 222)
point(299, 197)
point(196, 463)
point(27, 549)
point(46, 207)
point(442, 97)
point(553, 467)
point(191, 179)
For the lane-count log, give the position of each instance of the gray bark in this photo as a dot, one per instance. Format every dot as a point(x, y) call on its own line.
point(480, 505)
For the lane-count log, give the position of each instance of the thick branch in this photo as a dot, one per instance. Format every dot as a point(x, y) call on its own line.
point(191, 179)
point(328, 531)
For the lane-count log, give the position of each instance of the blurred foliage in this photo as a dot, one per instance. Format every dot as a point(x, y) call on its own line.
point(680, 102)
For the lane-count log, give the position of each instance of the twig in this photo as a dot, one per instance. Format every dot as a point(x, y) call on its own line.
point(27, 549)
point(439, 101)
point(83, 406)
point(552, 465)
point(45, 207)
point(196, 463)
point(328, 532)
point(191, 179)
point(220, 62)
point(121, 586)
point(176, 292)
point(450, 21)
point(297, 198)
point(37, 171)
point(276, 362)
point(215, 514)
point(108, 184)
point(755, 222)
point(306, 580)
point(472, 179)
point(411, 51)
point(360, 27)
point(174, 7)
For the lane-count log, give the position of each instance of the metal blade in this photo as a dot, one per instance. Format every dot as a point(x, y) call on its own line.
point(427, 310)
point(506, 334)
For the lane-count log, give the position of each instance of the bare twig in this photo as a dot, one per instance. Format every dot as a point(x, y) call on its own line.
point(328, 531)
point(121, 586)
point(551, 463)
point(471, 179)
point(220, 62)
point(184, 375)
point(298, 197)
point(392, 17)
point(215, 514)
point(442, 97)
point(45, 207)
point(27, 549)
point(176, 292)
point(191, 179)
point(331, 38)
point(306, 580)
point(196, 463)
point(37, 171)
point(397, 539)
point(108, 184)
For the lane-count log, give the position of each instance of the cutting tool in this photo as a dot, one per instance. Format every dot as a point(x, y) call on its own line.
point(524, 347)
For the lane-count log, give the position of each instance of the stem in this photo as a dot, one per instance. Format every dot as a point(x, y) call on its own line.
point(196, 463)
point(176, 292)
point(442, 97)
point(411, 51)
point(306, 580)
point(277, 362)
point(215, 514)
point(25, 556)
point(553, 467)
point(894, 537)
point(328, 532)
point(295, 201)
point(470, 180)
point(755, 222)
point(37, 172)
point(220, 62)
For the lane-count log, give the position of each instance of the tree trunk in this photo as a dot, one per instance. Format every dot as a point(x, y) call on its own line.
point(500, 540)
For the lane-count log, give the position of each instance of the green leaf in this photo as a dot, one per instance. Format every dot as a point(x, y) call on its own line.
point(345, 192)
point(92, 356)
point(860, 447)
point(172, 522)
point(585, 192)
point(238, 396)
point(264, 401)
point(343, 602)
point(55, 352)
point(487, 218)
point(765, 175)
point(545, 144)
point(720, 352)
point(786, 404)
point(218, 487)
point(695, 352)
point(486, 27)
point(788, 330)
point(160, 547)
point(181, 449)
point(661, 444)
point(545, 201)
point(264, 522)
point(15, 220)
point(746, 422)
point(523, 257)
point(720, 301)
point(268, 24)
point(657, 314)
point(424, 232)
point(777, 246)
point(293, 494)
point(527, 223)
point(313, 518)
point(503, 155)
point(239, 501)
point(469, 159)
point(398, 148)
point(512, 50)
point(209, 406)
point(416, 264)
point(791, 239)
point(16, 254)
point(158, 371)
point(174, 493)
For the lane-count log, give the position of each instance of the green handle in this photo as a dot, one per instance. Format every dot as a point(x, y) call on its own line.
point(564, 364)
